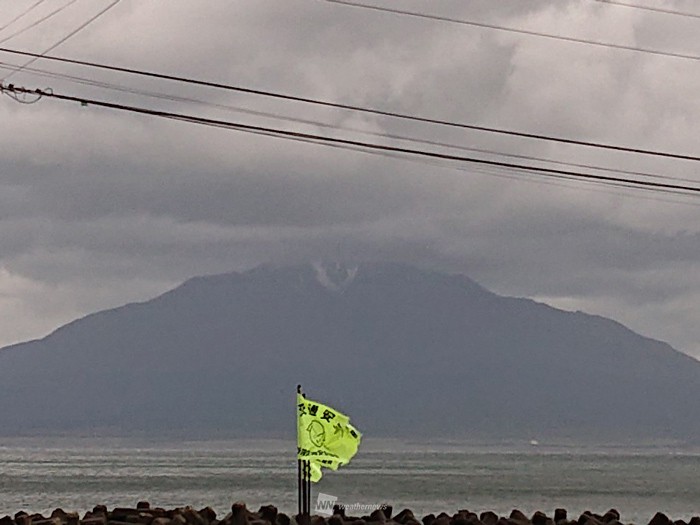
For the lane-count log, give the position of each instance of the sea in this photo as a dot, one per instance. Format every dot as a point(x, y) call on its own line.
point(41, 474)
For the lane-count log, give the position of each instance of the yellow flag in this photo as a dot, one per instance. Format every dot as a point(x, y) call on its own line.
point(325, 437)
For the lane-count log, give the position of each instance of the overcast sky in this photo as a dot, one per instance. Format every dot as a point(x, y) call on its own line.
point(99, 208)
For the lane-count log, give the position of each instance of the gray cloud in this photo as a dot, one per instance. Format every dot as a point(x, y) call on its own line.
point(98, 208)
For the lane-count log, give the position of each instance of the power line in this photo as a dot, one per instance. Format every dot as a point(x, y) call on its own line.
point(527, 32)
point(325, 125)
point(295, 135)
point(22, 14)
point(65, 38)
point(649, 8)
point(349, 107)
point(37, 22)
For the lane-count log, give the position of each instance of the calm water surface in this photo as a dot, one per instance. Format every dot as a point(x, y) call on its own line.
point(39, 475)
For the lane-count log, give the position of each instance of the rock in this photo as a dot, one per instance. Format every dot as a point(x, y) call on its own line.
point(60, 514)
point(121, 513)
point(268, 513)
point(239, 514)
point(336, 519)
point(595, 519)
point(473, 519)
point(208, 515)
point(539, 518)
point(177, 519)
point(404, 516)
point(442, 519)
point(589, 518)
point(488, 518)
point(283, 519)
point(94, 520)
point(660, 519)
point(143, 517)
point(51, 521)
point(192, 517)
point(143, 514)
point(303, 519)
point(464, 517)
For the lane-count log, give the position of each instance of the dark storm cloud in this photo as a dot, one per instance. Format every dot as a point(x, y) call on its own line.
point(99, 208)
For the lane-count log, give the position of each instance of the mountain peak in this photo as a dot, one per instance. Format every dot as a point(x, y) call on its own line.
point(335, 276)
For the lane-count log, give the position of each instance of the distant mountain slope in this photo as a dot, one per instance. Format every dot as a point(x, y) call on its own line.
point(403, 351)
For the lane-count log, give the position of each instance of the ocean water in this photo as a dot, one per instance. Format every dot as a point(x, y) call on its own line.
point(39, 474)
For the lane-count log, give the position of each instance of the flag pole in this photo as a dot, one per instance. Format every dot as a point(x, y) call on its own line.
point(303, 487)
point(299, 484)
point(308, 487)
point(303, 477)
point(300, 500)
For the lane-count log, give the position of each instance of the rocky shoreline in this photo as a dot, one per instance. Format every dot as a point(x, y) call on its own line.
point(144, 514)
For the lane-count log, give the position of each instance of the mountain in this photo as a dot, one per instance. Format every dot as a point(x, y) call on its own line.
point(404, 351)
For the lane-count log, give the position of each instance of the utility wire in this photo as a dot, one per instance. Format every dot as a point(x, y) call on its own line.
point(649, 8)
point(37, 22)
point(372, 111)
point(289, 134)
point(527, 32)
point(62, 40)
point(22, 14)
point(325, 125)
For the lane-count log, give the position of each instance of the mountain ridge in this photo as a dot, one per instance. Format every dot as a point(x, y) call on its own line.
point(410, 350)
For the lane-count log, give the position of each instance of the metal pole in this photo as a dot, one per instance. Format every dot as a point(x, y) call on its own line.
point(303, 487)
point(307, 487)
point(300, 500)
point(303, 478)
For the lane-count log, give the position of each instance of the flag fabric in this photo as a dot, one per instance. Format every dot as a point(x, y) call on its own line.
point(325, 436)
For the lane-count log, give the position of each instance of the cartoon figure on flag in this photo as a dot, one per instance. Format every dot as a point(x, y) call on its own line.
point(325, 436)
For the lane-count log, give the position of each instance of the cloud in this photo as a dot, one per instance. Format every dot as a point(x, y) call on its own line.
point(99, 207)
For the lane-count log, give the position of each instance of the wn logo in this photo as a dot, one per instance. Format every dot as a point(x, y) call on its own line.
point(325, 503)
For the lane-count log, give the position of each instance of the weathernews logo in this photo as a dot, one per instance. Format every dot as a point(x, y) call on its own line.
point(325, 504)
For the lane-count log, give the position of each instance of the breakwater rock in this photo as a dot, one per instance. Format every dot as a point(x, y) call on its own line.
point(144, 514)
